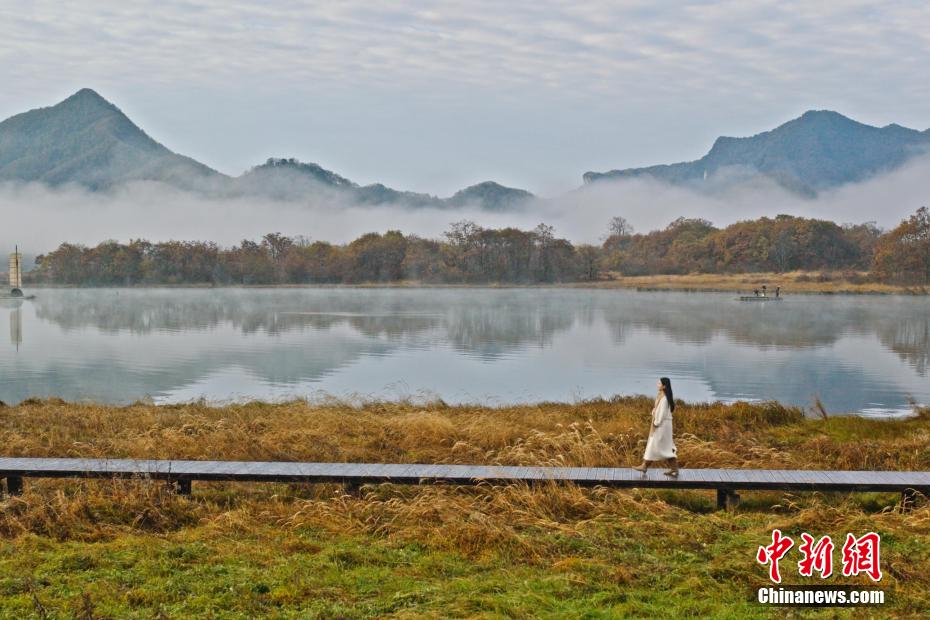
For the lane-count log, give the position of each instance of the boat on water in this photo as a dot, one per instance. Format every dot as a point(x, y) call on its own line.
point(15, 290)
point(762, 295)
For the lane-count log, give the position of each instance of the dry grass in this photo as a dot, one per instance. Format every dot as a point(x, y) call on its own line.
point(631, 551)
point(592, 433)
point(853, 282)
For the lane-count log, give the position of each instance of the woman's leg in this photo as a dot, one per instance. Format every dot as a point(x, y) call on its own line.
point(672, 467)
point(643, 467)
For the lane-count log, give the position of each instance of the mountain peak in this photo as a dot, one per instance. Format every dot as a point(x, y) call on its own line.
point(85, 100)
point(316, 172)
point(492, 186)
point(822, 114)
point(87, 94)
point(491, 195)
point(820, 149)
point(87, 140)
point(823, 119)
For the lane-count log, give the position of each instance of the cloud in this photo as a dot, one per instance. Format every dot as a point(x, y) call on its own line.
point(42, 218)
point(591, 44)
point(648, 205)
point(435, 96)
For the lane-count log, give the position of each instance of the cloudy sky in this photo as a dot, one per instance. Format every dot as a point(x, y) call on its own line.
point(433, 96)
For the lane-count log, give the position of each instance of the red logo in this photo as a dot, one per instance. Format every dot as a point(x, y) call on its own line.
point(860, 555)
point(817, 557)
point(773, 553)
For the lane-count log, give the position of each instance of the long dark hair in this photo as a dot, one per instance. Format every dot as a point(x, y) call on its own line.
point(667, 388)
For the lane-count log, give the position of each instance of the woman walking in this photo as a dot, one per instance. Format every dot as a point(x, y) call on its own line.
point(661, 446)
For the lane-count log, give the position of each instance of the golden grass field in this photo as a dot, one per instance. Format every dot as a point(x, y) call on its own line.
point(805, 282)
point(116, 549)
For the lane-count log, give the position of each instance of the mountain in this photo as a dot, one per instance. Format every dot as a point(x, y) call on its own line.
point(492, 196)
point(290, 179)
point(817, 151)
point(88, 141)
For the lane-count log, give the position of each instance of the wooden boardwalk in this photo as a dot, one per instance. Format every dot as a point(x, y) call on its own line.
point(725, 481)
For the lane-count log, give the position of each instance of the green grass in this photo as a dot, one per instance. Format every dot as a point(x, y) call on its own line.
point(673, 557)
point(130, 549)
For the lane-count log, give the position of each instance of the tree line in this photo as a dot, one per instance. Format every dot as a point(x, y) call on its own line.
point(469, 253)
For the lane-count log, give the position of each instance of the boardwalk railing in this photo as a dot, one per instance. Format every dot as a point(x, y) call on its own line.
point(727, 482)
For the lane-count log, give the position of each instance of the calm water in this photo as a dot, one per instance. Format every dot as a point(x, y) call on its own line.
point(858, 354)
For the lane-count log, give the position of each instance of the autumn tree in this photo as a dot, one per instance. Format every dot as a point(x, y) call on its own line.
point(471, 253)
point(619, 227)
point(903, 254)
point(589, 258)
point(376, 258)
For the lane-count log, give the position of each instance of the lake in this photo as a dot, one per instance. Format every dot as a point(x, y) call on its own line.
point(858, 354)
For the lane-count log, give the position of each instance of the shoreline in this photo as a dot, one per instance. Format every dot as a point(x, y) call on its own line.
point(794, 283)
point(217, 407)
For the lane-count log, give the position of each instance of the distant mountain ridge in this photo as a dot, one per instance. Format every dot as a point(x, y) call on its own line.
point(817, 151)
point(88, 141)
point(289, 179)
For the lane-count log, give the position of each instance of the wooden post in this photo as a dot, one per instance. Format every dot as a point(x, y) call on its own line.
point(14, 485)
point(908, 499)
point(179, 486)
point(727, 499)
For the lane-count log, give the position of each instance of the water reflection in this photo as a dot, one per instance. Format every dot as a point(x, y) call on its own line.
point(858, 353)
point(16, 325)
point(910, 338)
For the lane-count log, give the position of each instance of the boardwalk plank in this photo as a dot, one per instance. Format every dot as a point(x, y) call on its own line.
point(807, 477)
point(753, 476)
point(777, 476)
point(464, 474)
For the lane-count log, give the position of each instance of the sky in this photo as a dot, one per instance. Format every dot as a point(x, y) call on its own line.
point(435, 96)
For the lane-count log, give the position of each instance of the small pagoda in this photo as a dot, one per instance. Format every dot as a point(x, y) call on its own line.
point(16, 275)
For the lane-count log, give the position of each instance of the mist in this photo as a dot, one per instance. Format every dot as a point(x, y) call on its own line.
point(39, 218)
point(886, 199)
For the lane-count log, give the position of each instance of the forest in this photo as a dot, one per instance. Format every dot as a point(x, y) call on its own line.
point(470, 254)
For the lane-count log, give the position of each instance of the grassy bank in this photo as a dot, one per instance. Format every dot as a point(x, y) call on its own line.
point(131, 549)
point(806, 282)
point(795, 282)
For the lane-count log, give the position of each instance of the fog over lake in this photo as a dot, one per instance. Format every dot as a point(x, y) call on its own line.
point(859, 354)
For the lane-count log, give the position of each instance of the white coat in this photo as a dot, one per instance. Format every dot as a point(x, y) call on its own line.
point(660, 446)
